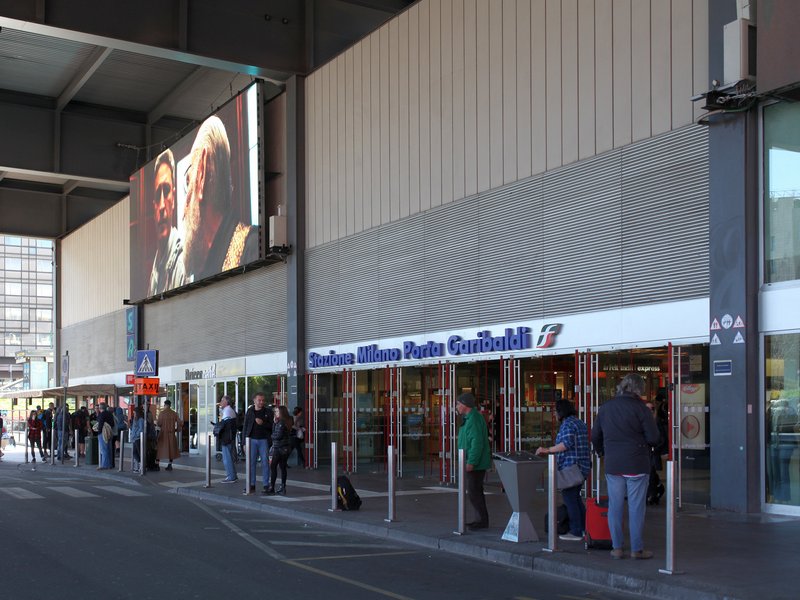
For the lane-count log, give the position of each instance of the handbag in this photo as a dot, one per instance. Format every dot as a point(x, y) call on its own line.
point(569, 477)
point(218, 427)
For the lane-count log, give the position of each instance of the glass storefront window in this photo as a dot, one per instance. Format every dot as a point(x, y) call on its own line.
point(781, 193)
point(782, 405)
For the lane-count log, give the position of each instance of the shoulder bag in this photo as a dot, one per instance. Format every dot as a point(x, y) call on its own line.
point(569, 477)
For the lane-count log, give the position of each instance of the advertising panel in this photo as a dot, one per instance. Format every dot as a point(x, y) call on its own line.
point(195, 207)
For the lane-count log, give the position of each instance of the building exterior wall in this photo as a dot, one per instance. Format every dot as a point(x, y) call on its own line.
point(623, 229)
point(95, 269)
point(456, 97)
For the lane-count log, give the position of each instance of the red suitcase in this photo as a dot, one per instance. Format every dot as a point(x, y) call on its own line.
point(597, 533)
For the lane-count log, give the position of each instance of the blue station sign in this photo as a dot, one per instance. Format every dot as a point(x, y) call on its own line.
point(456, 345)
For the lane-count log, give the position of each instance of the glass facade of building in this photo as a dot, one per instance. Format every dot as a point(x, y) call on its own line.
point(26, 301)
point(781, 127)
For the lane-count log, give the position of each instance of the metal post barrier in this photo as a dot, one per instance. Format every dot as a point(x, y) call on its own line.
point(77, 454)
point(334, 469)
point(26, 443)
point(669, 569)
point(392, 507)
point(53, 442)
point(143, 448)
point(208, 461)
point(247, 459)
point(122, 451)
point(552, 529)
point(462, 492)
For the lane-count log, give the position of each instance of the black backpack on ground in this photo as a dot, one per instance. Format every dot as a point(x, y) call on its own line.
point(562, 520)
point(346, 496)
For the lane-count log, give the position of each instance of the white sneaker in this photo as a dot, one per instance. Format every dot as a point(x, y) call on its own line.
point(570, 537)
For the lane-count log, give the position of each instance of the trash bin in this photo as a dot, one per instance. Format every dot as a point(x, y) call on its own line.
point(91, 450)
point(519, 472)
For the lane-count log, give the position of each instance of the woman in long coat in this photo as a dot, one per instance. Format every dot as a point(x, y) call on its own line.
point(168, 422)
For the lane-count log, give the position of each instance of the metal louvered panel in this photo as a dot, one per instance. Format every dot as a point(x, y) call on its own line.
point(97, 346)
point(240, 316)
point(665, 218)
point(400, 292)
point(510, 253)
point(581, 233)
point(325, 306)
point(131, 81)
point(359, 276)
point(39, 64)
point(452, 294)
point(574, 240)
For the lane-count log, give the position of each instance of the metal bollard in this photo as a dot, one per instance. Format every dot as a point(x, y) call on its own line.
point(77, 453)
point(53, 444)
point(552, 532)
point(334, 469)
point(26, 444)
point(142, 450)
point(247, 459)
point(392, 507)
point(669, 569)
point(208, 461)
point(462, 492)
point(122, 451)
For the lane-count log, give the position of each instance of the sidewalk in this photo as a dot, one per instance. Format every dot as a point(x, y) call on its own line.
point(718, 555)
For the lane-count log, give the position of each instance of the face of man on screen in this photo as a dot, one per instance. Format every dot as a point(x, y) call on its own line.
point(164, 200)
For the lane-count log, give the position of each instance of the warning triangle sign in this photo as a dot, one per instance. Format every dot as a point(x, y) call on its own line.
point(738, 323)
point(715, 340)
point(146, 367)
point(739, 339)
point(715, 325)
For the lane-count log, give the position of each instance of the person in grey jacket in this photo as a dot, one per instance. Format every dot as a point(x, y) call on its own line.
point(623, 433)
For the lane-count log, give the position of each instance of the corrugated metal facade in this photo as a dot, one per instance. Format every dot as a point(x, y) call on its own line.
point(95, 266)
point(245, 315)
point(96, 346)
point(453, 98)
point(625, 228)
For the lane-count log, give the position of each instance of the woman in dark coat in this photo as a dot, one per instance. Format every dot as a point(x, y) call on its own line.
point(281, 447)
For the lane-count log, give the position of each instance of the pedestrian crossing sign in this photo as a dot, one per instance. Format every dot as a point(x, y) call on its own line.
point(146, 363)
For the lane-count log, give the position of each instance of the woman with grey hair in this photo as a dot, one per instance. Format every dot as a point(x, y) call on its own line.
point(623, 432)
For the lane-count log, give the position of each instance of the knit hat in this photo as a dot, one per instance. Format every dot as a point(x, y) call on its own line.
point(467, 399)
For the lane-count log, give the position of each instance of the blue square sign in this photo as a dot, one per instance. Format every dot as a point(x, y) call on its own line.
point(146, 363)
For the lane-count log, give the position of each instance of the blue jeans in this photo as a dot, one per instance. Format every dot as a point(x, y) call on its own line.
point(104, 448)
point(259, 448)
point(575, 509)
point(63, 436)
point(227, 460)
point(636, 490)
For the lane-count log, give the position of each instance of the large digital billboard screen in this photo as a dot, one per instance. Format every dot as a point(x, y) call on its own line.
point(195, 207)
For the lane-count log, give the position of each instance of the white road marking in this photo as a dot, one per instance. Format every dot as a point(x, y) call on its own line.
point(121, 491)
point(72, 492)
point(331, 544)
point(243, 534)
point(21, 493)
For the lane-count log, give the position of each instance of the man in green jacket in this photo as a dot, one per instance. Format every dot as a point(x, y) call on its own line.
point(473, 438)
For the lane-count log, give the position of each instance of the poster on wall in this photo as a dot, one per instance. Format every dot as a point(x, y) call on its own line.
point(693, 416)
point(194, 209)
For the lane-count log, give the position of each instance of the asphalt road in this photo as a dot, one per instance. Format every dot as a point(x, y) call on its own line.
point(85, 537)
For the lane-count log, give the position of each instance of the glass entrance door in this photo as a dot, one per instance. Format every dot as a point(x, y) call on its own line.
point(676, 381)
point(192, 398)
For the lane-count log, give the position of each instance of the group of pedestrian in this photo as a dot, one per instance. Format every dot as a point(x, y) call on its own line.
point(628, 433)
point(272, 433)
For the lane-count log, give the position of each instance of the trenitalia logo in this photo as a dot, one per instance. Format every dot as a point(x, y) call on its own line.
point(547, 336)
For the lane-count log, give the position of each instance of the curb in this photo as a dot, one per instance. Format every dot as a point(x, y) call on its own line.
point(538, 562)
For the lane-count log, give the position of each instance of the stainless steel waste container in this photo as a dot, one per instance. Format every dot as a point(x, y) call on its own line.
point(519, 472)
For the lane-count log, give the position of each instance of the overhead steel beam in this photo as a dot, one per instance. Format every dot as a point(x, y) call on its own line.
point(2, 174)
point(87, 69)
point(276, 76)
point(69, 187)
